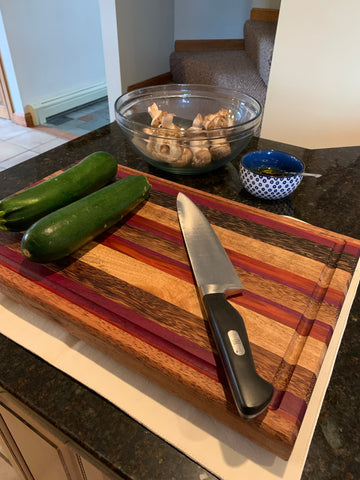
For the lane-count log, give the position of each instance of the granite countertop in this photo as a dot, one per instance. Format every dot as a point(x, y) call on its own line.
point(114, 439)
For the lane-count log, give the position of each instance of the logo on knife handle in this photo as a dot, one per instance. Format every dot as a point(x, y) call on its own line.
point(236, 342)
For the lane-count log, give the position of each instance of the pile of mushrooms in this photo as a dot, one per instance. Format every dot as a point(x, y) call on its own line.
point(196, 151)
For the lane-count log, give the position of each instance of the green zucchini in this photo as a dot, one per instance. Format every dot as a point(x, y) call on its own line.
point(19, 211)
point(63, 231)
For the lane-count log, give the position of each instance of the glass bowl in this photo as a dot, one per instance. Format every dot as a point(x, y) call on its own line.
point(187, 129)
point(262, 173)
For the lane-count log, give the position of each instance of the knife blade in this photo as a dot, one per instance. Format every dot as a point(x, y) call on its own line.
point(216, 280)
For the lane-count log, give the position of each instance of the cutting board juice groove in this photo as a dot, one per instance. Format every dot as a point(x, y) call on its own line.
point(131, 294)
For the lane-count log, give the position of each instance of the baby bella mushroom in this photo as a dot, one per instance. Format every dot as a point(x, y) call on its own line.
point(219, 147)
point(198, 145)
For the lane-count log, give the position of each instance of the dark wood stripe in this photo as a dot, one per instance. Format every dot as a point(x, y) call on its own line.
point(295, 239)
point(104, 304)
point(261, 305)
point(265, 307)
point(220, 204)
point(293, 390)
point(262, 269)
point(166, 340)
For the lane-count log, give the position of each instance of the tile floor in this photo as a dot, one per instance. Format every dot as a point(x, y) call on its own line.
point(18, 143)
point(83, 119)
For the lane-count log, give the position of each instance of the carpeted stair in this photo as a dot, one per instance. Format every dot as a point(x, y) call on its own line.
point(245, 70)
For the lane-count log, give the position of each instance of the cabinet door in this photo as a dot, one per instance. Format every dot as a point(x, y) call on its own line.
point(89, 471)
point(39, 455)
point(12, 453)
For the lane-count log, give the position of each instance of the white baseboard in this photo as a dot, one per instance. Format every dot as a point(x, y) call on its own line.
point(42, 110)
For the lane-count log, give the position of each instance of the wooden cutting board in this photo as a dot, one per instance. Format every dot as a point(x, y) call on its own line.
point(131, 294)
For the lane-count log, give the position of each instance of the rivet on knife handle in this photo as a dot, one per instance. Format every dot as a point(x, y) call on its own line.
point(216, 278)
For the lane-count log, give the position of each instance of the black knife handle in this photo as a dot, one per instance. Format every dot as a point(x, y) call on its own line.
point(251, 392)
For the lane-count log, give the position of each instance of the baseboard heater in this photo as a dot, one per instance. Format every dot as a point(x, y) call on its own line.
point(40, 111)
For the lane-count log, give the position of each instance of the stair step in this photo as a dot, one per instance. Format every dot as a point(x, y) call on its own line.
point(231, 69)
point(246, 70)
point(259, 37)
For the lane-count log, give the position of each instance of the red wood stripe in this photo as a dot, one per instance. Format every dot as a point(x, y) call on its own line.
point(117, 314)
point(285, 315)
point(192, 355)
point(271, 272)
point(334, 297)
point(352, 248)
point(268, 308)
point(283, 277)
point(249, 300)
point(226, 206)
point(293, 407)
point(322, 332)
point(269, 221)
point(217, 203)
point(264, 270)
point(289, 406)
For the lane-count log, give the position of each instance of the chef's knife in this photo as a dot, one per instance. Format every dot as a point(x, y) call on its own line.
point(216, 279)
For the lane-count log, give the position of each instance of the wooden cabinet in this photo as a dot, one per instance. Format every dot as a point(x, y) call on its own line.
point(36, 453)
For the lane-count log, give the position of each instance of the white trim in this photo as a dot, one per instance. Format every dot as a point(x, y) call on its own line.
point(42, 110)
point(9, 69)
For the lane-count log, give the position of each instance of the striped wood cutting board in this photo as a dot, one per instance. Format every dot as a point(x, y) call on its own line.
point(131, 294)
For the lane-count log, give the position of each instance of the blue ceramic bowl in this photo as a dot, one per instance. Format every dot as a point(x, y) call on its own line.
point(261, 173)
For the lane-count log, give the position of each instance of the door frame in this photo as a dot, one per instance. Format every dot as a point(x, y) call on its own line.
point(24, 119)
point(6, 110)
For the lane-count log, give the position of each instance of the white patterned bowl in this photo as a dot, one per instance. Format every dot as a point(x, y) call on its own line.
point(270, 186)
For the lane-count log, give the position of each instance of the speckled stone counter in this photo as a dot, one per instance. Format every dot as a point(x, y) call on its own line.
point(110, 436)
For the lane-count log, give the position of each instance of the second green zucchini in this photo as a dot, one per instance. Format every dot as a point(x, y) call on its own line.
point(63, 231)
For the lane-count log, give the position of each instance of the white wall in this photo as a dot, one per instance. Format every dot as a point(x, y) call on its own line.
point(138, 37)
point(204, 19)
point(110, 39)
point(146, 36)
point(211, 19)
point(55, 46)
point(313, 97)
